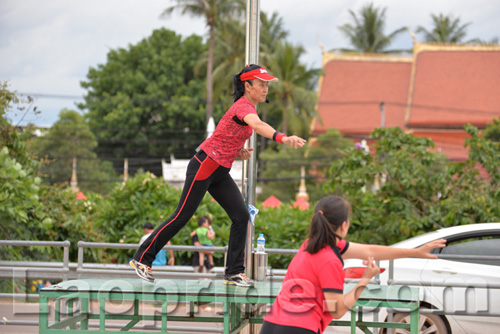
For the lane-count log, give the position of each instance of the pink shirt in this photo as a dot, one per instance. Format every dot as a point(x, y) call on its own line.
point(230, 134)
point(300, 301)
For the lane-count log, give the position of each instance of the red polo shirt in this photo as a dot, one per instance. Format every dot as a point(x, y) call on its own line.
point(300, 301)
point(230, 134)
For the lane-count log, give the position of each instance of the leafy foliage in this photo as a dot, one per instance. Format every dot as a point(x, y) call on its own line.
point(21, 213)
point(446, 29)
point(70, 137)
point(19, 184)
point(144, 198)
point(71, 220)
point(294, 92)
point(492, 131)
point(280, 167)
point(147, 94)
point(28, 209)
point(212, 11)
point(366, 34)
point(19, 200)
point(404, 189)
point(284, 228)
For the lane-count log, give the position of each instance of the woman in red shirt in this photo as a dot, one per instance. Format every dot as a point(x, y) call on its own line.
point(209, 170)
point(312, 291)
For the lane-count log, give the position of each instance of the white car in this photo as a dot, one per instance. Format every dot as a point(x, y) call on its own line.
point(477, 276)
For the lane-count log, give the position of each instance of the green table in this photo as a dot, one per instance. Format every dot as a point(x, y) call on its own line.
point(240, 305)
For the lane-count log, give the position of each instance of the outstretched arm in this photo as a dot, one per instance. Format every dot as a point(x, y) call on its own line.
point(338, 304)
point(364, 251)
point(265, 130)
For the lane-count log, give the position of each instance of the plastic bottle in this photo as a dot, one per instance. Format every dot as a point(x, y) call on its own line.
point(261, 244)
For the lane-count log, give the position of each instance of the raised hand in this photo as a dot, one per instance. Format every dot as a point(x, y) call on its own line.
point(293, 141)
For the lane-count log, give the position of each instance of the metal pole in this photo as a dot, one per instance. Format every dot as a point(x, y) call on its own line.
point(382, 110)
point(67, 244)
point(250, 166)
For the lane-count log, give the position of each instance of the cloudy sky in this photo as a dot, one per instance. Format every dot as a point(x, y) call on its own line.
point(47, 47)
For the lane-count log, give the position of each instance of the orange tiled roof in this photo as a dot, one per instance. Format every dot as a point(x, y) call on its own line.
point(453, 85)
point(450, 143)
point(434, 94)
point(352, 88)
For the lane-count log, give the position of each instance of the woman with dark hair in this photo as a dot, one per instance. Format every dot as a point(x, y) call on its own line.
point(209, 170)
point(312, 291)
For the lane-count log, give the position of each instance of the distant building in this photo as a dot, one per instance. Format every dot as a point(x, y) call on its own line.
point(433, 93)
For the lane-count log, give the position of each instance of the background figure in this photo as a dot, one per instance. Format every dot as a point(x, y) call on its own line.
point(161, 257)
point(205, 235)
point(196, 257)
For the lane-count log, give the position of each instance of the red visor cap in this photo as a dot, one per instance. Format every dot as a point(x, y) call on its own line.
point(259, 73)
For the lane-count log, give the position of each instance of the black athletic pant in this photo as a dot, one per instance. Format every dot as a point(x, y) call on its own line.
point(270, 328)
point(204, 174)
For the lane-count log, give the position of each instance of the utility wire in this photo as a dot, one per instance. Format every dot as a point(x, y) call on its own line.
point(338, 103)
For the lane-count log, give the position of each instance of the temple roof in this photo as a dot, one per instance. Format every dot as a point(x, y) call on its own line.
point(434, 94)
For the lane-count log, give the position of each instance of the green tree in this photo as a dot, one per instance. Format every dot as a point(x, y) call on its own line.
point(272, 32)
point(19, 199)
point(145, 102)
point(229, 59)
point(72, 220)
point(70, 137)
point(212, 11)
point(293, 95)
point(404, 189)
point(392, 191)
point(10, 136)
point(20, 209)
point(446, 29)
point(280, 170)
point(366, 33)
point(485, 152)
point(284, 228)
point(323, 150)
point(492, 130)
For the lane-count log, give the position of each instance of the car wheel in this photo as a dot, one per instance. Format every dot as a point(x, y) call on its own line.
point(428, 324)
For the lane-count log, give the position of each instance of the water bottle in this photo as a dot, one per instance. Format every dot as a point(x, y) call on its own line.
point(261, 244)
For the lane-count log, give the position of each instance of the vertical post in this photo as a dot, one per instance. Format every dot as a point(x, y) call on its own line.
point(125, 170)
point(250, 166)
point(382, 110)
point(66, 260)
point(74, 180)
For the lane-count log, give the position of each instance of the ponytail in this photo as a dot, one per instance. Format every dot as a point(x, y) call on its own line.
point(329, 214)
point(238, 85)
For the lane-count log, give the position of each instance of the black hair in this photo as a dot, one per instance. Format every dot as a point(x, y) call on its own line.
point(203, 219)
point(149, 226)
point(238, 85)
point(329, 214)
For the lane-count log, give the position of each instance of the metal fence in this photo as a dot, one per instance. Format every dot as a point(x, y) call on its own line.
point(65, 270)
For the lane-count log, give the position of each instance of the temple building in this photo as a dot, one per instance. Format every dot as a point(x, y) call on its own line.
point(433, 93)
